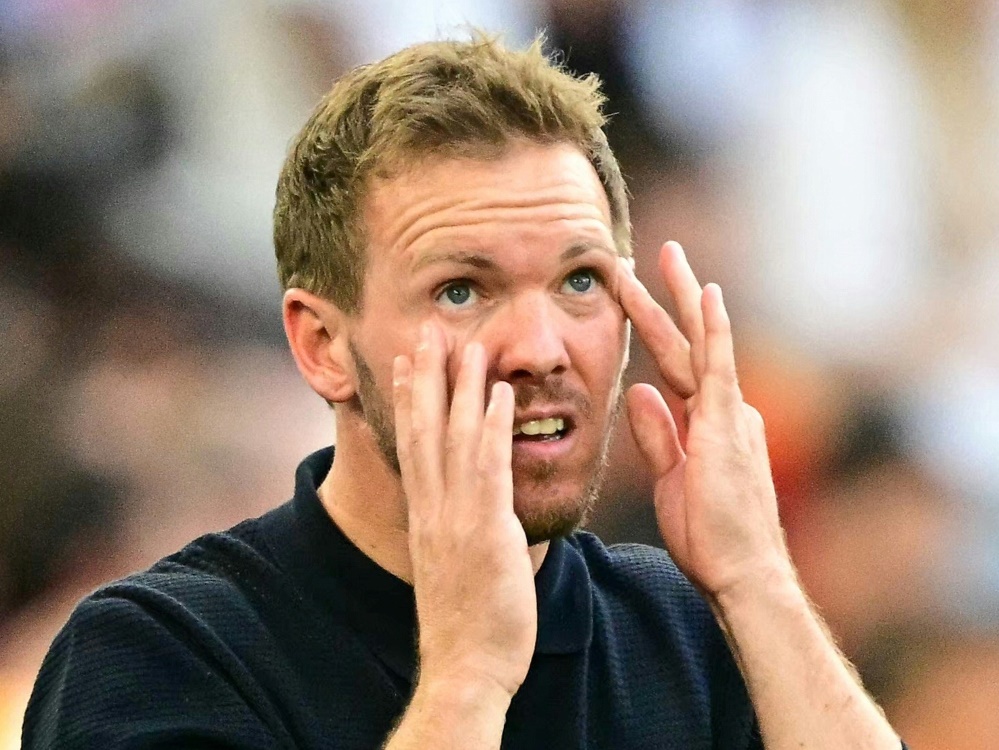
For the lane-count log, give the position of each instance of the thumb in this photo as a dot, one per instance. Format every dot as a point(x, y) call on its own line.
point(653, 428)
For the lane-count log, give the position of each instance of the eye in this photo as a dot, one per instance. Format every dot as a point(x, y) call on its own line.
point(580, 282)
point(457, 294)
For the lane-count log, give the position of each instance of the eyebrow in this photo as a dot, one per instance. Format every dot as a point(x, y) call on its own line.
point(460, 257)
point(581, 248)
point(484, 262)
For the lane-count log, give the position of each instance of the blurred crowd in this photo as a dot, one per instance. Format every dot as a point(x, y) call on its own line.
point(834, 166)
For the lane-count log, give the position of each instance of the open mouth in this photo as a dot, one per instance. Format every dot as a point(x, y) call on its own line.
point(541, 430)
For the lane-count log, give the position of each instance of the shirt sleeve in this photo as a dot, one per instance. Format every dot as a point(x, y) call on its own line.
point(118, 676)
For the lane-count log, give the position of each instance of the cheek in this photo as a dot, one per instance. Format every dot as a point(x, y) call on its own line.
point(457, 333)
point(380, 344)
point(600, 351)
point(456, 336)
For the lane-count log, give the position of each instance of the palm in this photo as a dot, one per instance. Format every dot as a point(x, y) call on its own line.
point(704, 504)
point(715, 503)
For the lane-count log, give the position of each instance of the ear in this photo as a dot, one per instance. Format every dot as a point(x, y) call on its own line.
point(318, 335)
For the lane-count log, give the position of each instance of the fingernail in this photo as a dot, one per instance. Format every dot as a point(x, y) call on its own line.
point(424, 336)
point(398, 370)
point(494, 393)
point(468, 353)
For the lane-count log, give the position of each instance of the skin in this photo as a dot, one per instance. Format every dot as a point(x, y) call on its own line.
point(509, 234)
point(494, 294)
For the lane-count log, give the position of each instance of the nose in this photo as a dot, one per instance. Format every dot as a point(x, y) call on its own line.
point(528, 339)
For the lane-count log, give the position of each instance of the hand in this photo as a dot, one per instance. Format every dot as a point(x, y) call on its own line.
point(715, 502)
point(472, 574)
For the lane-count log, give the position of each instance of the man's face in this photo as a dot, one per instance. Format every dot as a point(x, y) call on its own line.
point(517, 254)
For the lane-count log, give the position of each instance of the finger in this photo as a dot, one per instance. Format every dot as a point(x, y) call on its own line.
point(654, 428)
point(719, 385)
point(495, 456)
point(761, 456)
point(757, 432)
point(668, 346)
point(402, 396)
point(686, 292)
point(465, 422)
point(428, 412)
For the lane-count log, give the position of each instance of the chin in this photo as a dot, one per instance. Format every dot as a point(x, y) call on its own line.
point(548, 512)
point(544, 529)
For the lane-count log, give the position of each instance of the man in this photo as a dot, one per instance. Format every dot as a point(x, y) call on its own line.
point(452, 233)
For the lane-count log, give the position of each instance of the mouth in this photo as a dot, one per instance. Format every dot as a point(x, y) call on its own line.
point(549, 429)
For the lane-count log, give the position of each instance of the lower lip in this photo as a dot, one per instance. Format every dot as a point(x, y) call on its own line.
point(543, 450)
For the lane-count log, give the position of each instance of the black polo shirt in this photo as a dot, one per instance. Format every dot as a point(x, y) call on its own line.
point(281, 633)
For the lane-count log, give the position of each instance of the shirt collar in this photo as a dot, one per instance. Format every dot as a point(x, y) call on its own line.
point(381, 607)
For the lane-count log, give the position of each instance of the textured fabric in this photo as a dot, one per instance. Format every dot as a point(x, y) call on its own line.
point(280, 633)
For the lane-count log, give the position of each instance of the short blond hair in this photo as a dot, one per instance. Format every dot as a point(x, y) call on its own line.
point(445, 99)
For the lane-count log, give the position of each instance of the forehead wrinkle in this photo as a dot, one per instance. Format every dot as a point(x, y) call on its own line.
point(506, 220)
point(543, 206)
point(547, 195)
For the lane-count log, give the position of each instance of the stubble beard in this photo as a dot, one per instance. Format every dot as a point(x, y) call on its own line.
point(551, 521)
point(373, 409)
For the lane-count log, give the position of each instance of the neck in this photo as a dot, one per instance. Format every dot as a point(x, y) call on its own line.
point(364, 497)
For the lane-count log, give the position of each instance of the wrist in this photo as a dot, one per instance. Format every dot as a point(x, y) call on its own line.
point(452, 712)
point(800, 684)
point(775, 579)
point(773, 587)
point(468, 693)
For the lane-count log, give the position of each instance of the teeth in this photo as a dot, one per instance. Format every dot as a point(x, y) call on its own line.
point(540, 427)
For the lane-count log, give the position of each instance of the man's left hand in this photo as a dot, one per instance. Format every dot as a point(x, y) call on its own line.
point(715, 500)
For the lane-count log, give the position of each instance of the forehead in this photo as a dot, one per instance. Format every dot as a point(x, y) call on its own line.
point(531, 192)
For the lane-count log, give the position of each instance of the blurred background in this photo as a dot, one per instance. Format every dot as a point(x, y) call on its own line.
point(834, 165)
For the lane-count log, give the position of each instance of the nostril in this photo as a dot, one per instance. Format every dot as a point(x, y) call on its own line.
point(535, 374)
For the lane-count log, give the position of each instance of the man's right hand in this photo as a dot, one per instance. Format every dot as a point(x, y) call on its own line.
point(472, 575)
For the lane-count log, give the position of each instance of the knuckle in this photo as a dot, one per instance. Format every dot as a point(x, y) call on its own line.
point(677, 346)
point(455, 442)
point(421, 447)
point(487, 462)
point(721, 325)
point(422, 536)
point(724, 377)
point(417, 439)
point(417, 424)
point(754, 416)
